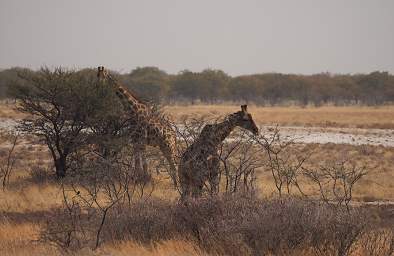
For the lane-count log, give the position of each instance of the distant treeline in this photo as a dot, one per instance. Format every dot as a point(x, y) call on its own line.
point(215, 86)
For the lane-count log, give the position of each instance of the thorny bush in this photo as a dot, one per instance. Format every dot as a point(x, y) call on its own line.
point(230, 225)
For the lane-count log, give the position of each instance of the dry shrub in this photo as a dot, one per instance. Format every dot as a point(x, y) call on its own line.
point(232, 225)
point(214, 223)
point(8, 159)
point(145, 221)
point(336, 231)
point(68, 229)
point(39, 174)
point(165, 248)
point(378, 242)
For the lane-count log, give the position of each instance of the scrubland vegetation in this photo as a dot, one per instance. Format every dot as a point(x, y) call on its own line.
point(270, 89)
point(69, 184)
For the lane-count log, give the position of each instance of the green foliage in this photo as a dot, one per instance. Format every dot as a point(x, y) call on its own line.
point(69, 110)
point(9, 77)
point(186, 86)
point(215, 86)
point(149, 83)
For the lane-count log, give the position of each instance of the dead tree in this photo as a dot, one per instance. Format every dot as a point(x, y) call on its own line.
point(284, 162)
point(336, 182)
point(8, 162)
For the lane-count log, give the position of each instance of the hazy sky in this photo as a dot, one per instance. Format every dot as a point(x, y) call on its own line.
point(239, 37)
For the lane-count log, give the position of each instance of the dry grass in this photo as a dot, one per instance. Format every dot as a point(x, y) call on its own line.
point(22, 196)
point(21, 223)
point(355, 117)
point(23, 205)
point(30, 198)
point(21, 239)
point(18, 239)
point(379, 160)
point(166, 248)
point(7, 110)
point(327, 116)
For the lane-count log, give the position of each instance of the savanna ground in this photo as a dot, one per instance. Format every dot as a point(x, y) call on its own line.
point(31, 195)
point(326, 116)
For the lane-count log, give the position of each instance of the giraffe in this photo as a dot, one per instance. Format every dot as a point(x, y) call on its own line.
point(200, 161)
point(150, 128)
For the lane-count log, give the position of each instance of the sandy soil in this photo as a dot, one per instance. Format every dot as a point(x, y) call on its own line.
point(351, 136)
point(320, 135)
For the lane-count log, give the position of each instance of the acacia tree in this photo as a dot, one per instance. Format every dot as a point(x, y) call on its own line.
point(150, 83)
point(62, 106)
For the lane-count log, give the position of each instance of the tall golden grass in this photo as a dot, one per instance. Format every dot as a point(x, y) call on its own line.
point(18, 235)
point(21, 239)
point(327, 116)
point(25, 199)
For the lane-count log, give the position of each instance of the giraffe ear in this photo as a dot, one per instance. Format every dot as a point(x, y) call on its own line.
point(244, 108)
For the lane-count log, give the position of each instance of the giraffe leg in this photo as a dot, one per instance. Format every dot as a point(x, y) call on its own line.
point(183, 179)
point(144, 161)
point(197, 188)
point(187, 180)
point(137, 161)
point(140, 163)
point(198, 177)
point(173, 172)
point(213, 175)
point(170, 158)
point(185, 189)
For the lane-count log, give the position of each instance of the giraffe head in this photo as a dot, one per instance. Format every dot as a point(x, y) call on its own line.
point(100, 73)
point(245, 120)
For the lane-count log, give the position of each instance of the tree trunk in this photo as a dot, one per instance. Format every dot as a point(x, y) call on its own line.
point(60, 166)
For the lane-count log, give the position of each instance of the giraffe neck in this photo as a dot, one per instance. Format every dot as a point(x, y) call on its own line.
point(226, 127)
point(157, 132)
point(220, 131)
point(131, 102)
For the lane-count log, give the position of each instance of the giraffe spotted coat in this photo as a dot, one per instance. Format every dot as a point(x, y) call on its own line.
point(200, 161)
